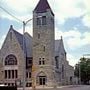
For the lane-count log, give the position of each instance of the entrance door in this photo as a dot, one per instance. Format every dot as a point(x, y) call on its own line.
point(42, 80)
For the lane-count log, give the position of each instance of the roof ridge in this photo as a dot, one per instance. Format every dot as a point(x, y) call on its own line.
point(17, 32)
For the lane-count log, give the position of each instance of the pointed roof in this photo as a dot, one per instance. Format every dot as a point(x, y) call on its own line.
point(57, 43)
point(27, 41)
point(42, 6)
point(59, 46)
point(19, 38)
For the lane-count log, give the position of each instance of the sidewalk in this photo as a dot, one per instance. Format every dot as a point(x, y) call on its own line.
point(44, 87)
point(69, 86)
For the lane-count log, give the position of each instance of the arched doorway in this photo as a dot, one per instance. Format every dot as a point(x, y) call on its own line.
point(41, 78)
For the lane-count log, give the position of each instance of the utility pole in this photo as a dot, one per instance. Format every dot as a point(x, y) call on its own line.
point(24, 64)
point(79, 73)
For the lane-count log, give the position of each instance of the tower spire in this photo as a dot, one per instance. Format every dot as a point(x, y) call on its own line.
point(42, 7)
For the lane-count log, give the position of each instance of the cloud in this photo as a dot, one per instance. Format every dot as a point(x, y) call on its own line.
point(79, 41)
point(74, 38)
point(72, 59)
point(67, 8)
point(86, 20)
point(58, 33)
point(86, 39)
point(21, 9)
point(63, 10)
point(19, 6)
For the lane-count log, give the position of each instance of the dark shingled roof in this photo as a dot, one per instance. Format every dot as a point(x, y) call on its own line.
point(42, 7)
point(19, 37)
point(59, 47)
point(27, 42)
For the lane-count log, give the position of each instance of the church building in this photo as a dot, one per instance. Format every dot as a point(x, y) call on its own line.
point(40, 59)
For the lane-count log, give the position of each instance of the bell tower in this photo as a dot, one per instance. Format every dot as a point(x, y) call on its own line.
point(43, 44)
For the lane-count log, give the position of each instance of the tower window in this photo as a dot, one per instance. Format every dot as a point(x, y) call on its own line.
point(41, 21)
point(38, 21)
point(44, 48)
point(44, 20)
point(41, 61)
point(29, 74)
point(52, 20)
point(38, 36)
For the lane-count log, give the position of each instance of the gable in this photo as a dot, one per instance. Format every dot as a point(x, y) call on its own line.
point(59, 47)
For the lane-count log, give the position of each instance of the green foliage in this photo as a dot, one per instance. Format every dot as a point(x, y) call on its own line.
point(82, 69)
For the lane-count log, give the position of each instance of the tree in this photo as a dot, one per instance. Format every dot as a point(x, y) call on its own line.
point(82, 70)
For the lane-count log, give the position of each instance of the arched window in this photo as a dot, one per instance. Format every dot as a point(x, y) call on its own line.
point(63, 73)
point(10, 60)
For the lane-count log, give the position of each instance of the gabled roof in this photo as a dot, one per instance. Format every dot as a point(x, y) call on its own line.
point(28, 44)
point(27, 41)
point(19, 38)
point(57, 43)
point(59, 47)
point(42, 7)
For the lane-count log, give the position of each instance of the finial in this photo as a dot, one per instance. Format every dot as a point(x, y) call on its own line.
point(11, 26)
point(61, 37)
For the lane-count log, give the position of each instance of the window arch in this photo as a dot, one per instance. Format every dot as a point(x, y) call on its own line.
point(41, 74)
point(10, 60)
point(41, 78)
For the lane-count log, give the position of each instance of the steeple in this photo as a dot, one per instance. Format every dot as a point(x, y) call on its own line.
point(62, 49)
point(42, 7)
point(43, 43)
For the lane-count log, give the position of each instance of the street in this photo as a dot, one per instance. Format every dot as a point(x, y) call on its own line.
point(84, 87)
point(76, 88)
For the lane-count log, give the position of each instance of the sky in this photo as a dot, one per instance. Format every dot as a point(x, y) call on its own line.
point(72, 22)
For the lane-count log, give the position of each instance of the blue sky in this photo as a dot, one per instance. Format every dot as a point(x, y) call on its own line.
point(72, 21)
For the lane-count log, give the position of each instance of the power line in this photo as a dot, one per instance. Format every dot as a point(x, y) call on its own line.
point(10, 14)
